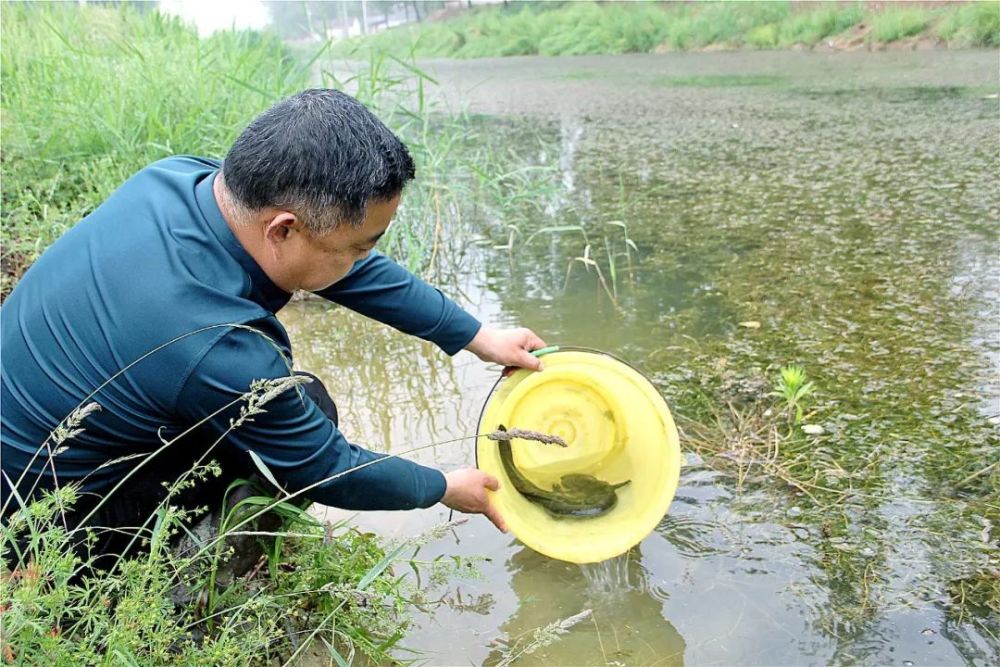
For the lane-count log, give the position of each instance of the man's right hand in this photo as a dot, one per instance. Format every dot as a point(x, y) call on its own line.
point(466, 492)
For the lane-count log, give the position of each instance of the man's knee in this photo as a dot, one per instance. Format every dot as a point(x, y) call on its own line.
point(317, 391)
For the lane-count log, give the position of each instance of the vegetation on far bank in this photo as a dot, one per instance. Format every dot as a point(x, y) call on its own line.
point(577, 28)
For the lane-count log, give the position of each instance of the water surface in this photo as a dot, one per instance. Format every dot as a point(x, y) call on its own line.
point(845, 203)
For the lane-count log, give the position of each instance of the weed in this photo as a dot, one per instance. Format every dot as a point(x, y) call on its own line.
point(92, 95)
point(811, 27)
point(542, 637)
point(793, 387)
point(972, 24)
point(589, 263)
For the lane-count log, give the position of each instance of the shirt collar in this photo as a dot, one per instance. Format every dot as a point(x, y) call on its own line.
point(262, 289)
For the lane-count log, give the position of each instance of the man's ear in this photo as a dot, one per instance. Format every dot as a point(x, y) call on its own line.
point(278, 228)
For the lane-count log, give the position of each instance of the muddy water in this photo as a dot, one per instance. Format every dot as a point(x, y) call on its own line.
point(842, 207)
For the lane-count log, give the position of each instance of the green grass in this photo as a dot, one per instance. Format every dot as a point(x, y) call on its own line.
point(810, 27)
point(91, 96)
point(897, 23)
point(807, 26)
point(642, 27)
point(127, 616)
point(57, 608)
point(973, 24)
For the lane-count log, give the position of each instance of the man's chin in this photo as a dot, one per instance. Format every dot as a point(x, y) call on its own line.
point(323, 287)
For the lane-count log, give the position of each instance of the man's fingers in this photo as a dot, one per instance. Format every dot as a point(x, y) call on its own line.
point(529, 361)
point(534, 342)
point(491, 483)
point(493, 514)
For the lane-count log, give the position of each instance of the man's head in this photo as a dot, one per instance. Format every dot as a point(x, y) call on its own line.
point(319, 178)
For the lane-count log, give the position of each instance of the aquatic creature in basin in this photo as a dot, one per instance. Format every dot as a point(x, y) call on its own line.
point(576, 494)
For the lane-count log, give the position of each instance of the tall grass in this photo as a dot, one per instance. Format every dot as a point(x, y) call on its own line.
point(164, 606)
point(973, 24)
point(467, 177)
point(642, 27)
point(808, 27)
point(92, 95)
point(898, 22)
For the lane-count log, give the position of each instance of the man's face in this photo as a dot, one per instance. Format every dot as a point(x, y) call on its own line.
point(316, 262)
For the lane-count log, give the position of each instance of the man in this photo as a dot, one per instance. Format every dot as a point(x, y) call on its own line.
point(176, 279)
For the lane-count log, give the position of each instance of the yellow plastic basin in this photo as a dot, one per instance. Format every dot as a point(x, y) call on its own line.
point(617, 427)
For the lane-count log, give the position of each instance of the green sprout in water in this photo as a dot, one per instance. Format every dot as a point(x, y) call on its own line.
point(793, 387)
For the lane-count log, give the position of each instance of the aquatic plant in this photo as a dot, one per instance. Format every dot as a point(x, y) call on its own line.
point(793, 387)
point(589, 263)
point(541, 638)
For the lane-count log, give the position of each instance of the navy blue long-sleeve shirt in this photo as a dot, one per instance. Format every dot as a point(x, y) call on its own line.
point(156, 262)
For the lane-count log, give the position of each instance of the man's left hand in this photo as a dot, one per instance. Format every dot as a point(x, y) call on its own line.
point(507, 347)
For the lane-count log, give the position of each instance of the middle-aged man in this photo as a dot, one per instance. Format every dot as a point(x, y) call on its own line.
point(182, 251)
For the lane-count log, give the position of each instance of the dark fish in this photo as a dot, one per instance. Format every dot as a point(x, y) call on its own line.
point(576, 495)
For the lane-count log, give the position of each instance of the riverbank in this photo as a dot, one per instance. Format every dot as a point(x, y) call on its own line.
point(614, 28)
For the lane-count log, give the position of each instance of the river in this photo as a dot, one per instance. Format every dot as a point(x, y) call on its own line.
point(838, 211)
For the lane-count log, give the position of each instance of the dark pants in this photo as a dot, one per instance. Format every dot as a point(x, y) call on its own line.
point(131, 508)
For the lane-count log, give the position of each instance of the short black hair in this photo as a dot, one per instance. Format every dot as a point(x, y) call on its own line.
point(320, 154)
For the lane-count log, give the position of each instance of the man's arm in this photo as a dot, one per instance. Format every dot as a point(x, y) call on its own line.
point(293, 438)
point(381, 289)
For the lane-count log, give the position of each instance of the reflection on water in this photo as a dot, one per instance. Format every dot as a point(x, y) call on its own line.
point(393, 392)
point(626, 625)
point(846, 204)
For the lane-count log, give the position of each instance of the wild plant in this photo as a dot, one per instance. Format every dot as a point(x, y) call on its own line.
point(610, 28)
point(629, 247)
point(541, 637)
point(589, 263)
point(91, 95)
point(793, 387)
